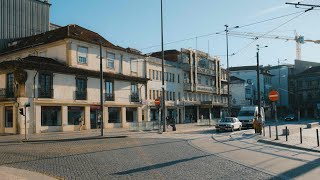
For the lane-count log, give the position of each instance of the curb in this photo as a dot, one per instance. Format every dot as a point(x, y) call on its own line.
point(287, 145)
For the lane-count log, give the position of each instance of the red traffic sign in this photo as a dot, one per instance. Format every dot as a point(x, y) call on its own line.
point(157, 101)
point(273, 95)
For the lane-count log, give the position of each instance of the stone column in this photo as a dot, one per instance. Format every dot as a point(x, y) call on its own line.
point(198, 113)
point(123, 117)
point(64, 123)
point(105, 117)
point(37, 119)
point(139, 114)
point(147, 114)
point(2, 120)
point(87, 118)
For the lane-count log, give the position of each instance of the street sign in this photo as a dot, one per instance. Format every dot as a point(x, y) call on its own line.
point(157, 101)
point(273, 95)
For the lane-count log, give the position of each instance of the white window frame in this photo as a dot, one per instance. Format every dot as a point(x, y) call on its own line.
point(83, 60)
point(110, 61)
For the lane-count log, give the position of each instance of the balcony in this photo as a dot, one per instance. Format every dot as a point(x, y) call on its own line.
point(80, 95)
point(205, 71)
point(6, 93)
point(187, 87)
point(45, 93)
point(109, 97)
point(134, 98)
point(203, 88)
point(224, 91)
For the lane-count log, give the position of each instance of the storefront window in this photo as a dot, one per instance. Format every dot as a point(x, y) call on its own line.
point(9, 117)
point(50, 116)
point(114, 115)
point(74, 114)
point(131, 114)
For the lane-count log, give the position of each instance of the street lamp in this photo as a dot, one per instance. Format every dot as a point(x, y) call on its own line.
point(101, 87)
point(228, 73)
point(258, 77)
point(162, 67)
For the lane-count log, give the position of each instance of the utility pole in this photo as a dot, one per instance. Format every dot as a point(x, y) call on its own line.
point(258, 81)
point(228, 74)
point(162, 64)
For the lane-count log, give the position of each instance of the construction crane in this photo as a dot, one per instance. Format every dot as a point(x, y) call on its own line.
point(298, 39)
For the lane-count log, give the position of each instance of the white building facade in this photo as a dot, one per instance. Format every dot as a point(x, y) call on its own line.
point(58, 74)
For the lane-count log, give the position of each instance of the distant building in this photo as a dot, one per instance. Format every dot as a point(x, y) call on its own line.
point(249, 75)
point(22, 18)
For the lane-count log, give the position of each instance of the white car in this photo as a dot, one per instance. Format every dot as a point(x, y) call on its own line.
point(229, 123)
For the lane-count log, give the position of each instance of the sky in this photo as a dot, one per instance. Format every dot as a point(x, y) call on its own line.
point(136, 24)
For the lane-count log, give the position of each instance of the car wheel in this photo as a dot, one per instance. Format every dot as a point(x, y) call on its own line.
point(240, 128)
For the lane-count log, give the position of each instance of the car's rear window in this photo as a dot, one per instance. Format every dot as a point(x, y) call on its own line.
point(227, 120)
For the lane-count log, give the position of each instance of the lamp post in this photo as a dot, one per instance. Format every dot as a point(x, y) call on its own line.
point(258, 78)
point(162, 68)
point(228, 73)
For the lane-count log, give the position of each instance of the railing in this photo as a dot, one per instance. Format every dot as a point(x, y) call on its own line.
point(204, 88)
point(6, 93)
point(109, 97)
point(206, 71)
point(134, 98)
point(45, 93)
point(80, 95)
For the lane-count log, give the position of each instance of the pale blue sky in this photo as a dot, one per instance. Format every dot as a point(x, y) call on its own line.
point(136, 23)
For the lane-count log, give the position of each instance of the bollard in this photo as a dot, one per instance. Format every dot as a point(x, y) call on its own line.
point(318, 137)
point(286, 133)
point(269, 131)
point(264, 131)
point(300, 135)
point(277, 135)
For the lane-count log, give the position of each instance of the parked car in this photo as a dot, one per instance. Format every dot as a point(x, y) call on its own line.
point(290, 117)
point(229, 123)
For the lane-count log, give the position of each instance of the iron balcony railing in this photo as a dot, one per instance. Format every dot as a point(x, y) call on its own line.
point(109, 97)
point(6, 93)
point(45, 93)
point(134, 98)
point(81, 95)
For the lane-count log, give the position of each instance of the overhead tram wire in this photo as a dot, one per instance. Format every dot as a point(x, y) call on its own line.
point(258, 38)
point(222, 31)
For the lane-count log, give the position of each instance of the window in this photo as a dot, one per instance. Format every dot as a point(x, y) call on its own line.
point(134, 65)
point(170, 94)
point(167, 95)
point(172, 77)
point(178, 78)
point(153, 74)
point(10, 86)
point(179, 96)
point(45, 85)
point(157, 75)
point(82, 55)
point(109, 96)
point(248, 91)
point(199, 79)
point(167, 76)
point(74, 114)
point(154, 94)
point(134, 92)
point(110, 60)
point(81, 89)
point(50, 116)
point(174, 96)
point(120, 65)
point(207, 81)
point(8, 117)
point(150, 94)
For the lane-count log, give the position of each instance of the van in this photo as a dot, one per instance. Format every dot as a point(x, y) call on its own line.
point(248, 113)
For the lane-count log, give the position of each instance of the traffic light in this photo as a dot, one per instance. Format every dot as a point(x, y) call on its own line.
point(21, 111)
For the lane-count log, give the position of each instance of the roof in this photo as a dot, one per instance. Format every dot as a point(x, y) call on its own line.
point(234, 78)
point(312, 70)
point(243, 68)
point(52, 65)
point(169, 55)
point(70, 31)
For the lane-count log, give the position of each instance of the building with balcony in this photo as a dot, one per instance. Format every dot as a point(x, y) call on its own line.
point(57, 72)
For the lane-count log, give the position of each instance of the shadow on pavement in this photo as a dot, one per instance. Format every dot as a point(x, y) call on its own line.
point(157, 166)
point(298, 171)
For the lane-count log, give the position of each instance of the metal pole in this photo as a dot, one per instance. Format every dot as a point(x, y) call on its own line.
point(276, 117)
point(286, 133)
point(264, 130)
point(258, 81)
point(162, 61)
point(279, 83)
point(228, 75)
point(269, 131)
point(101, 90)
point(300, 135)
point(25, 122)
point(318, 137)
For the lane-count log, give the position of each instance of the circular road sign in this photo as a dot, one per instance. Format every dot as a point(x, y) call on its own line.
point(157, 101)
point(273, 95)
